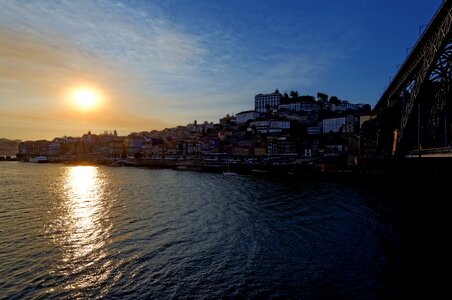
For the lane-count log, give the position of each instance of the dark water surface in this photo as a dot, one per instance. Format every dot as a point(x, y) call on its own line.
point(130, 233)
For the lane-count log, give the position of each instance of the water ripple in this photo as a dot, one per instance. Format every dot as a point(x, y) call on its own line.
point(129, 233)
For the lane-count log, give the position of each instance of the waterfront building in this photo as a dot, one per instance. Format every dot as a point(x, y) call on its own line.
point(241, 151)
point(344, 124)
point(134, 144)
point(55, 148)
point(281, 145)
point(210, 144)
point(260, 151)
point(25, 148)
point(34, 148)
point(151, 145)
point(116, 147)
point(265, 102)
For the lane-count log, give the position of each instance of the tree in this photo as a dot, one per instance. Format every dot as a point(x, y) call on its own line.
point(293, 94)
point(307, 98)
point(322, 96)
point(334, 100)
point(285, 96)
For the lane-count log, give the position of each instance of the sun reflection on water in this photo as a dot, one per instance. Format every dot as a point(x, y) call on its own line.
point(83, 226)
point(84, 191)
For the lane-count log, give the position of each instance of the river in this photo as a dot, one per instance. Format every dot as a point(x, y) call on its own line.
point(133, 233)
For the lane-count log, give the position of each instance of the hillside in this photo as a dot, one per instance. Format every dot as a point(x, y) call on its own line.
point(8, 147)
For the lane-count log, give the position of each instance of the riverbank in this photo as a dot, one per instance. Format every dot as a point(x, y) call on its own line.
point(8, 158)
point(367, 170)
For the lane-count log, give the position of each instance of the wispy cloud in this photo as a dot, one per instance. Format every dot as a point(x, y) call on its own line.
point(157, 66)
point(47, 48)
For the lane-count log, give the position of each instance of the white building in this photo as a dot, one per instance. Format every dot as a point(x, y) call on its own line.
point(195, 127)
point(261, 126)
point(300, 106)
point(264, 101)
point(312, 130)
point(344, 124)
point(270, 126)
point(345, 105)
point(245, 116)
point(280, 124)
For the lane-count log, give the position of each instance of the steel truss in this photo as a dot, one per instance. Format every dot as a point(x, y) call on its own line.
point(430, 61)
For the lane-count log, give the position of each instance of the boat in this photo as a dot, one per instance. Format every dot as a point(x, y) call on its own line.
point(228, 172)
point(260, 171)
point(38, 159)
point(188, 168)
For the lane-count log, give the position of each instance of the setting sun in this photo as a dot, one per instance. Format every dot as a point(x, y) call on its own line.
point(85, 98)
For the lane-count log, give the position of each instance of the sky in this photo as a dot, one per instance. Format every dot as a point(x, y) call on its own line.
point(157, 64)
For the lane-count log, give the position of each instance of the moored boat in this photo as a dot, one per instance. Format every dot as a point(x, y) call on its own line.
point(229, 174)
point(38, 159)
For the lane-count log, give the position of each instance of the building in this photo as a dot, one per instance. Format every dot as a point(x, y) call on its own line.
point(282, 145)
point(25, 148)
point(245, 116)
point(134, 144)
point(333, 124)
point(200, 128)
point(345, 124)
point(281, 124)
point(116, 147)
point(300, 105)
point(227, 121)
point(347, 106)
point(210, 144)
point(55, 147)
point(266, 102)
point(87, 138)
point(274, 126)
point(314, 130)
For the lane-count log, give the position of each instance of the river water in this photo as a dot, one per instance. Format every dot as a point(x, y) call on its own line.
point(132, 233)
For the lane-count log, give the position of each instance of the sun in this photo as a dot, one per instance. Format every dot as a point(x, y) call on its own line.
point(86, 98)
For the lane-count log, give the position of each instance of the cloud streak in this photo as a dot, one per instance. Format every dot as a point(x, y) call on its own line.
point(157, 64)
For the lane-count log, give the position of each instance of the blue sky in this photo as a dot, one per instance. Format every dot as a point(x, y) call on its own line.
point(166, 63)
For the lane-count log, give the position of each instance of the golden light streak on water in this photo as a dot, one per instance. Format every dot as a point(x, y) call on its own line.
point(71, 232)
point(84, 191)
point(83, 226)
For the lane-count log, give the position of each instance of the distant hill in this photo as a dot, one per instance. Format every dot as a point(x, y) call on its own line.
point(9, 147)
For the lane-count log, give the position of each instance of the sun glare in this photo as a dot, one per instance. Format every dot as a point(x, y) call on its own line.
point(85, 98)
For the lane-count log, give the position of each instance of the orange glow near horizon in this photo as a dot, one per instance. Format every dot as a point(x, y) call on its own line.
point(86, 98)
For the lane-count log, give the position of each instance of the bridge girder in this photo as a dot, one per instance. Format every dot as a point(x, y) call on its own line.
point(425, 72)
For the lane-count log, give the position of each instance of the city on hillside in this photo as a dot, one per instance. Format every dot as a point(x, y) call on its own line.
point(282, 127)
